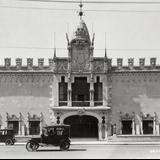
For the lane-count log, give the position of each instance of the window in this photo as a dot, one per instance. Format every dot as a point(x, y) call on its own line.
point(81, 92)
point(34, 127)
point(98, 92)
point(63, 95)
point(14, 125)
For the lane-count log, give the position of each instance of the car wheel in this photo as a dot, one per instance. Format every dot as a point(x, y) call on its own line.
point(32, 147)
point(9, 142)
point(65, 146)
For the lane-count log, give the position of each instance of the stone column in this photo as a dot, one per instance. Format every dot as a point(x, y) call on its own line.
point(100, 131)
point(154, 126)
point(19, 130)
point(120, 127)
point(41, 123)
point(28, 124)
point(91, 98)
point(133, 127)
point(106, 132)
point(106, 92)
point(28, 127)
point(137, 129)
point(156, 118)
point(141, 127)
point(69, 94)
point(92, 91)
point(157, 129)
point(20, 125)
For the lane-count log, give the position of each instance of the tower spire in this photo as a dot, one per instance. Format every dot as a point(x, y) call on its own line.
point(55, 54)
point(81, 9)
point(105, 45)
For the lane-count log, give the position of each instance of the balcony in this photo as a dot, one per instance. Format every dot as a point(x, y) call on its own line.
point(80, 103)
point(63, 103)
point(98, 103)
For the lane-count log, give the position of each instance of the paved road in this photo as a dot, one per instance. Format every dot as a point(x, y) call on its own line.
point(84, 152)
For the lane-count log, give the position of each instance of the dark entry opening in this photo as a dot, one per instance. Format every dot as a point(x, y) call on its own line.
point(34, 127)
point(14, 125)
point(83, 126)
point(126, 127)
point(148, 127)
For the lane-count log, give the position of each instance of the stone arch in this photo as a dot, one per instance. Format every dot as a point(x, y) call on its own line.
point(69, 114)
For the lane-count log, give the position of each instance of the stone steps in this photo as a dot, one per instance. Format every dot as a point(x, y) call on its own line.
point(143, 138)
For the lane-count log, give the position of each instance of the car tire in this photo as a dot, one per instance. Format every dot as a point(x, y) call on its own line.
point(65, 146)
point(32, 147)
point(9, 142)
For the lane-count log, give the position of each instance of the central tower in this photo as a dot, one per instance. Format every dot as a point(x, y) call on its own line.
point(80, 47)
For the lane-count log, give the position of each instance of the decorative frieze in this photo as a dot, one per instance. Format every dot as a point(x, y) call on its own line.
point(12, 117)
point(26, 78)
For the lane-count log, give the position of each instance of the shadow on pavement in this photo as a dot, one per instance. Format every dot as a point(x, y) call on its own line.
point(71, 150)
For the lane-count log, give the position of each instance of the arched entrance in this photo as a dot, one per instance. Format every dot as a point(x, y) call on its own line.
point(83, 126)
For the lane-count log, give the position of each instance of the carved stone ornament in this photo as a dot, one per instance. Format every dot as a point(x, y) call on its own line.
point(81, 112)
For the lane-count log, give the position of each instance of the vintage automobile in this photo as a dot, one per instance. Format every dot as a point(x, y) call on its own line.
point(7, 136)
point(58, 135)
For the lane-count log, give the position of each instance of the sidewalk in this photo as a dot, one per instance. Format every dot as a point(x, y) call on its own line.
point(100, 143)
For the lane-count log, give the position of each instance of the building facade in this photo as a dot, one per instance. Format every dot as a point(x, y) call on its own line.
point(96, 98)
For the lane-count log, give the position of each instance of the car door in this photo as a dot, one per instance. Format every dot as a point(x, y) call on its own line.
point(1, 136)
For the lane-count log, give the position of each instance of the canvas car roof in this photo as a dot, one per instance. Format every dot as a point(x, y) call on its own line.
point(56, 126)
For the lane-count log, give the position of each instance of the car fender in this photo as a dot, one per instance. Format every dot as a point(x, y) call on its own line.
point(65, 140)
point(33, 141)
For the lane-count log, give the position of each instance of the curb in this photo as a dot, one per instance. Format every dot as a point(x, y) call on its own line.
point(100, 143)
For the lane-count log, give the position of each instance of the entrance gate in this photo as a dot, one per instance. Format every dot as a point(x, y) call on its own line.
point(83, 126)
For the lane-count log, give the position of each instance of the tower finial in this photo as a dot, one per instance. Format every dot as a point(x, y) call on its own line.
point(81, 9)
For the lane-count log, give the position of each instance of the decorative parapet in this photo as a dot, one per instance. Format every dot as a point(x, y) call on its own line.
point(18, 63)
point(142, 63)
point(7, 63)
point(50, 63)
point(62, 65)
point(41, 63)
point(131, 63)
point(132, 67)
point(120, 63)
point(153, 63)
point(30, 63)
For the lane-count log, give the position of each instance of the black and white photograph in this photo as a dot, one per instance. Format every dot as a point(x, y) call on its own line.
point(79, 79)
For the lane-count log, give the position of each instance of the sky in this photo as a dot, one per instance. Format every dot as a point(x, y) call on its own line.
point(34, 29)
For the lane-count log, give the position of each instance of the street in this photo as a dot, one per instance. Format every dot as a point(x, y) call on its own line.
point(84, 152)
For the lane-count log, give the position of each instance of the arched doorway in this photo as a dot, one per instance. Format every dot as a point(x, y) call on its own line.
point(83, 126)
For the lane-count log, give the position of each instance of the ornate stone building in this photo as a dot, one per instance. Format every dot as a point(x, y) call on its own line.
point(96, 98)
